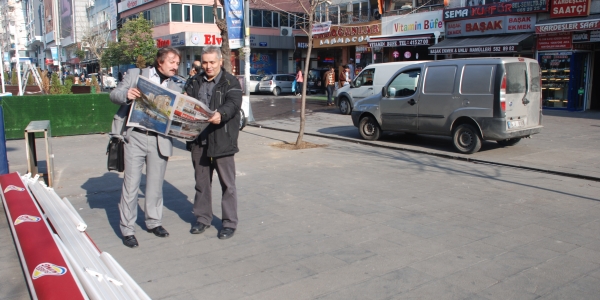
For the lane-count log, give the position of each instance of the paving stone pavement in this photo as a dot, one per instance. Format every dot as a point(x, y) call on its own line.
point(346, 221)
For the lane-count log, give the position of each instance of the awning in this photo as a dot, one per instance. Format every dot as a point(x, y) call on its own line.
point(400, 40)
point(492, 44)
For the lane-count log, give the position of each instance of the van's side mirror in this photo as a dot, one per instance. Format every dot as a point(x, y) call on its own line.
point(384, 92)
point(352, 84)
point(392, 92)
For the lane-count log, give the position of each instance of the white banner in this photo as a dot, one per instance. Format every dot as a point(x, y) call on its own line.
point(320, 28)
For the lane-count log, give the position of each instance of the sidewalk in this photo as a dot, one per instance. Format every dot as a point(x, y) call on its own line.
point(569, 142)
point(349, 221)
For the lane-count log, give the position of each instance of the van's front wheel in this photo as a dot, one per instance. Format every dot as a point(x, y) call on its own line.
point(508, 142)
point(369, 128)
point(345, 106)
point(466, 139)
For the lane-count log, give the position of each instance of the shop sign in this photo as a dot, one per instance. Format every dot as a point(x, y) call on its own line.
point(320, 28)
point(363, 49)
point(417, 41)
point(347, 35)
point(494, 25)
point(481, 49)
point(412, 24)
point(570, 26)
point(302, 45)
point(48, 61)
point(563, 40)
point(407, 54)
point(177, 39)
point(583, 46)
point(589, 36)
point(396, 54)
point(570, 8)
point(496, 9)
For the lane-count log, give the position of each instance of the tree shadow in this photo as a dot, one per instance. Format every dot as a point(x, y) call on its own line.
point(104, 192)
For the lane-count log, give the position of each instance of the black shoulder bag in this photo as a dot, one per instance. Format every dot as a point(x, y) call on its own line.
point(116, 152)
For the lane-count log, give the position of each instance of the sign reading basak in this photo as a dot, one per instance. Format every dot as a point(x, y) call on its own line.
point(570, 8)
point(494, 25)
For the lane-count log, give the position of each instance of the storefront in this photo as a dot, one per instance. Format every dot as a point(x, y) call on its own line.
point(567, 54)
point(343, 43)
point(511, 35)
point(271, 54)
point(408, 37)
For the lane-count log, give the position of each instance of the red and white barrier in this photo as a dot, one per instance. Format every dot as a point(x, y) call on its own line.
point(49, 275)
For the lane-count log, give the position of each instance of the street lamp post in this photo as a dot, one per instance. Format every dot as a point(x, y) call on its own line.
point(246, 49)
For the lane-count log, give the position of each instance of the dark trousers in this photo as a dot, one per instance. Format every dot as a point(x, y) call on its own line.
point(204, 167)
point(330, 89)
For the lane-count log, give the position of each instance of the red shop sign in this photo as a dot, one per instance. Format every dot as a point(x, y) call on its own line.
point(555, 41)
point(570, 8)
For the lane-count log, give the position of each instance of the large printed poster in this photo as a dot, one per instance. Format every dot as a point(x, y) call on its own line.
point(263, 63)
point(234, 10)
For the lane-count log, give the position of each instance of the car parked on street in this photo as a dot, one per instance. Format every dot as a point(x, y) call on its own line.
point(470, 100)
point(276, 84)
point(254, 83)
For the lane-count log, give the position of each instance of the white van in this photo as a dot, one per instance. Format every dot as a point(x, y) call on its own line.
point(368, 82)
point(472, 99)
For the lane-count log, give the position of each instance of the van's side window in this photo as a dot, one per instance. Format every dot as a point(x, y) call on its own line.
point(404, 84)
point(440, 80)
point(477, 80)
point(365, 78)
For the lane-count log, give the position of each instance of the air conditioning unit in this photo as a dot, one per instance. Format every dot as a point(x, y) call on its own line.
point(286, 31)
point(85, 44)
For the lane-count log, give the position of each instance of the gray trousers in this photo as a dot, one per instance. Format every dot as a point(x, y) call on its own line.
point(204, 167)
point(141, 149)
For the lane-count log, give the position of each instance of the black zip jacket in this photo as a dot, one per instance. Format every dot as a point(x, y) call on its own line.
point(227, 100)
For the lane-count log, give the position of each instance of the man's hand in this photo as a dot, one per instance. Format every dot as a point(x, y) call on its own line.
point(216, 118)
point(133, 93)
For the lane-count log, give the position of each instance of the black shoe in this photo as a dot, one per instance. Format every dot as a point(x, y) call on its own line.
point(198, 228)
point(159, 231)
point(226, 233)
point(130, 241)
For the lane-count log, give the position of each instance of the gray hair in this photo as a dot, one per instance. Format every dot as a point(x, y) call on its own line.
point(212, 49)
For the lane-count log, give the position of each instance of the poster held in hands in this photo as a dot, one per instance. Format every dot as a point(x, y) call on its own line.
point(167, 112)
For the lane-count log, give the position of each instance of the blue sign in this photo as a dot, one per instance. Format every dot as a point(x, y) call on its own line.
point(263, 63)
point(234, 12)
point(262, 44)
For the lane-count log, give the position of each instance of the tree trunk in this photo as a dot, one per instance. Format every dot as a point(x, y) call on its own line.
point(299, 140)
point(222, 25)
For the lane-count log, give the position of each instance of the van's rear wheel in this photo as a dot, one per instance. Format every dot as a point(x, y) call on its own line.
point(508, 142)
point(466, 139)
point(369, 128)
point(345, 106)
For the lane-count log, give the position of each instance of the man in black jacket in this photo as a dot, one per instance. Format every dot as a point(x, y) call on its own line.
point(215, 146)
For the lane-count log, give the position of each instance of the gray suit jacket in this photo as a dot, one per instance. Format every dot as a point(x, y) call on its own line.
point(119, 96)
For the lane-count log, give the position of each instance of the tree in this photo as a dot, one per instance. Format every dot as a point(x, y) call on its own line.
point(135, 39)
point(222, 25)
point(308, 7)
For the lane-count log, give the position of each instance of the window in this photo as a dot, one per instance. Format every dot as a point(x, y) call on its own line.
point(187, 13)
point(516, 77)
point(334, 15)
point(405, 84)
point(439, 80)
point(176, 15)
point(209, 17)
point(477, 79)
point(267, 19)
point(356, 12)
point(275, 19)
point(534, 68)
point(284, 19)
point(197, 14)
point(256, 18)
point(364, 78)
point(301, 21)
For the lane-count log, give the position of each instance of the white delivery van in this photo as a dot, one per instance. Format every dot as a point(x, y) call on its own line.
point(472, 99)
point(368, 82)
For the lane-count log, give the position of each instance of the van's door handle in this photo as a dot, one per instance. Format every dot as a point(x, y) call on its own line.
point(370, 89)
point(412, 102)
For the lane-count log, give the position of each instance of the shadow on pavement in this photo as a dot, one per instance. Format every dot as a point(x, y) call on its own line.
point(99, 196)
point(594, 115)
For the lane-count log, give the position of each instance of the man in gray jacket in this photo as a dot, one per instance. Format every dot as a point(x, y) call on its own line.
point(215, 146)
point(143, 146)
